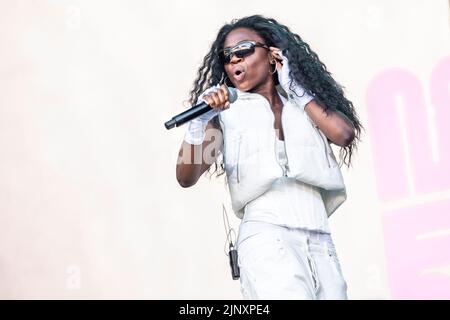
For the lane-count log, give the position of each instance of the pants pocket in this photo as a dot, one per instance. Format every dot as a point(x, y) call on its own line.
point(261, 253)
point(336, 266)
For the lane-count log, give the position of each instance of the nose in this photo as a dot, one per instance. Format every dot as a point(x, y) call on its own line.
point(235, 59)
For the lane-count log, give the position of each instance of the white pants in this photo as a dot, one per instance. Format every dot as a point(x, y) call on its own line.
point(278, 262)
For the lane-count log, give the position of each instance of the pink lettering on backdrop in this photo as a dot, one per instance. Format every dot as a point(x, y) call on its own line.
point(409, 127)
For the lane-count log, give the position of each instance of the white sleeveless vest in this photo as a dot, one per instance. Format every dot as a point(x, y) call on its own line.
point(249, 151)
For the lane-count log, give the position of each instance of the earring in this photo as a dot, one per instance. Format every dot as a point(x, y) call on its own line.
point(275, 68)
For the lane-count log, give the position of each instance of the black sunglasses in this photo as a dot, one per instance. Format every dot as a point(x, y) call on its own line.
point(241, 50)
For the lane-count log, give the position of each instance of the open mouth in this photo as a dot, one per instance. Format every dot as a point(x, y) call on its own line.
point(239, 74)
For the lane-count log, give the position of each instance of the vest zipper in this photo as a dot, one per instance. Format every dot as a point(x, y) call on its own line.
point(276, 157)
point(284, 142)
point(237, 163)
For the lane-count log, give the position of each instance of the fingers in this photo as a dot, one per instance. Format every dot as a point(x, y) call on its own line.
point(218, 99)
point(225, 93)
point(276, 53)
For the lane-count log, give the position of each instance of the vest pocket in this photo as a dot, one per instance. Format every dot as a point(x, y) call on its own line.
point(325, 145)
point(231, 156)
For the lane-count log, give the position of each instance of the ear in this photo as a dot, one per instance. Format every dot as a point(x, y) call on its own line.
point(272, 58)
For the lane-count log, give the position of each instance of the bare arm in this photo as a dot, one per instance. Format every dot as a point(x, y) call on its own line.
point(194, 160)
point(337, 127)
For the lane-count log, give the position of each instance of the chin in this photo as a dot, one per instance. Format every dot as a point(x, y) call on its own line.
point(243, 88)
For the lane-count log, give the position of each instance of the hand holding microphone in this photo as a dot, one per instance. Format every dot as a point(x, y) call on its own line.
point(217, 98)
point(213, 101)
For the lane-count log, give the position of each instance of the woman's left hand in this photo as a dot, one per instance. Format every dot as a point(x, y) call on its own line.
point(285, 80)
point(282, 67)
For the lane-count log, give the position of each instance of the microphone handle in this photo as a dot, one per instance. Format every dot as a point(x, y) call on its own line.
point(196, 111)
point(188, 115)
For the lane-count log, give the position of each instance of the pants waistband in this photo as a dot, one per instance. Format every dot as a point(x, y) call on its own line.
point(250, 227)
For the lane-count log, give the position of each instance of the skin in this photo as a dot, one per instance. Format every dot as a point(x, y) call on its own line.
point(258, 79)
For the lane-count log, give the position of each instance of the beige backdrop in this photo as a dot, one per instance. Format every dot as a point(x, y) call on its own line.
point(89, 203)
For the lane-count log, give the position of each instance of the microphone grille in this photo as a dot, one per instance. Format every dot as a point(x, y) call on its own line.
point(232, 95)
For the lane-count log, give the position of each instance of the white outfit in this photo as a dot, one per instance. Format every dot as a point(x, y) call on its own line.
point(289, 202)
point(279, 262)
point(285, 250)
point(249, 147)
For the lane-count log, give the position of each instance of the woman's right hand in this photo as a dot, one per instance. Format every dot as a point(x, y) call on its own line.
point(217, 97)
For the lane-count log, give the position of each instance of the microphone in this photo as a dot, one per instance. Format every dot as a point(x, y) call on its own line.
point(196, 111)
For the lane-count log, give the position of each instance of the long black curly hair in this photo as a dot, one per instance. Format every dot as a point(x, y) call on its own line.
point(306, 69)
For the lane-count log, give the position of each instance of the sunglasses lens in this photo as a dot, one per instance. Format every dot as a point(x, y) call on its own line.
point(244, 52)
point(240, 52)
point(226, 58)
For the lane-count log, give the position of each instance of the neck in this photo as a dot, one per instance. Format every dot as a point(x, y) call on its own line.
point(268, 91)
